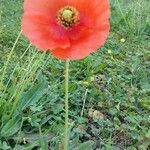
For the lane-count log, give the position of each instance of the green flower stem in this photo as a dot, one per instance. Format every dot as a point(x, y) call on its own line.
point(66, 140)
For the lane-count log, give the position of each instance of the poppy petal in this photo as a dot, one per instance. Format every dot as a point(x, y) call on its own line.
point(81, 49)
point(42, 32)
point(44, 6)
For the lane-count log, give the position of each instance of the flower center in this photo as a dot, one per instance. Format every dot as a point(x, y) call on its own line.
point(68, 17)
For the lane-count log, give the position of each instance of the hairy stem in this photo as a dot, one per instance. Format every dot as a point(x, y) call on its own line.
point(66, 104)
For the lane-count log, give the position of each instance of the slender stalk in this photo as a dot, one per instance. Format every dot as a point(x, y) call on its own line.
point(8, 59)
point(84, 99)
point(15, 70)
point(66, 140)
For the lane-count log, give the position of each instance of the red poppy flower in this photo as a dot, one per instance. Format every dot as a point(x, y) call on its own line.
point(69, 29)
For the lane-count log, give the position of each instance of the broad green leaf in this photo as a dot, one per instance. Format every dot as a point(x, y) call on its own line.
point(10, 128)
point(32, 96)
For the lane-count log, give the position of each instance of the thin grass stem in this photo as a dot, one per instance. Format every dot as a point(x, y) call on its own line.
point(8, 59)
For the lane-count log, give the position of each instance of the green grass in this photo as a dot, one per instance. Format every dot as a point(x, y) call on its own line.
point(118, 85)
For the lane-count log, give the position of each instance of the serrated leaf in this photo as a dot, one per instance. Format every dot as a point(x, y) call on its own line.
point(5, 146)
point(86, 145)
point(147, 135)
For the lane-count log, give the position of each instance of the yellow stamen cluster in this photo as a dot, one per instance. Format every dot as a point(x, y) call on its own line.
point(68, 17)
